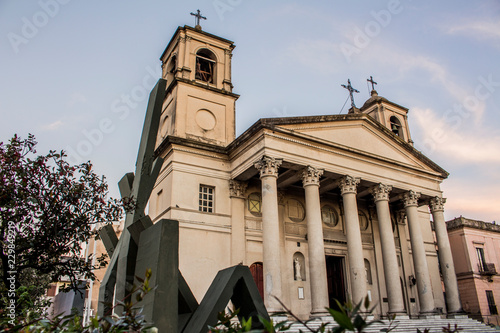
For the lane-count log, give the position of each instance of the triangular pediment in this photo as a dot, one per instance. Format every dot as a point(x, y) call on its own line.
point(361, 134)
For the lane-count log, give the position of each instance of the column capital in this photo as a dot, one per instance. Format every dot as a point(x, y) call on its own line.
point(410, 198)
point(381, 192)
point(268, 166)
point(237, 189)
point(437, 204)
point(348, 184)
point(311, 175)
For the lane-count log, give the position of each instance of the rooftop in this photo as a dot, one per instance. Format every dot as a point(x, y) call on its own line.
point(462, 222)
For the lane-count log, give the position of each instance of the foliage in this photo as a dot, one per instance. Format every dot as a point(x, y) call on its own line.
point(47, 210)
point(131, 320)
point(226, 322)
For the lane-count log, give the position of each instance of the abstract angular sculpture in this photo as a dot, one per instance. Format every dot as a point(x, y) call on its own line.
point(171, 306)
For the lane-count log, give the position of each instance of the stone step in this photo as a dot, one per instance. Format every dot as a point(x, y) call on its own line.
point(411, 325)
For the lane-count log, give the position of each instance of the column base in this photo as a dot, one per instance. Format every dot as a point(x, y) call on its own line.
point(399, 315)
point(323, 316)
point(430, 315)
point(278, 317)
point(457, 315)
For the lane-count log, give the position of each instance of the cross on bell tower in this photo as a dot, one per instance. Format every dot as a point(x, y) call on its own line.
point(372, 82)
point(351, 91)
point(198, 18)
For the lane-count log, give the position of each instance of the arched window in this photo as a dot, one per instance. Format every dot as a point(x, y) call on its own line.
point(396, 126)
point(368, 271)
point(205, 66)
point(172, 66)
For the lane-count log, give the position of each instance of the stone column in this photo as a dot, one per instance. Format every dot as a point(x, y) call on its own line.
point(268, 168)
point(424, 287)
point(238, 239)
point(317, 262)
point(391, 270)
point(445, 257)
point(348, 189)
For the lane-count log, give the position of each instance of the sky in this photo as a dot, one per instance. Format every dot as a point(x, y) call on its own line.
point(65, 65)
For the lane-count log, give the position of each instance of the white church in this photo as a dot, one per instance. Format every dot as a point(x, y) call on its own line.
point(319, 207)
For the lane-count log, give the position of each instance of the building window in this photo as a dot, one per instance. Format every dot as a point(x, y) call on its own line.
point(172, 67)
point(368, 272)
point(491, 302)
point(296, 211)
point(205, 66)
point(329, 216)
point(396, 126)
point(481, 259)
point(206, 199)
point(255, 204)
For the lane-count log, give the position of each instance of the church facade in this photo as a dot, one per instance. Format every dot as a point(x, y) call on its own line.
point(319, 207)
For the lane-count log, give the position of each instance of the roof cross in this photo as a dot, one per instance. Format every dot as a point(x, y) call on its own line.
point(198, 17)
point(372, 82)
point(351, 91)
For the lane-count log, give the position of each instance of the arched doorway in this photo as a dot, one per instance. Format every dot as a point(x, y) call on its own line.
point(258, 276)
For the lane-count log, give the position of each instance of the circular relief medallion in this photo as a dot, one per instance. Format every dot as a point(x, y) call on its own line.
point(206, 120)
point(363, 221)
point(329, 216)
point(296, 211)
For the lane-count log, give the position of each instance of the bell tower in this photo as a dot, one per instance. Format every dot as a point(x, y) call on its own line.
point(389, 114)
point(200, 103)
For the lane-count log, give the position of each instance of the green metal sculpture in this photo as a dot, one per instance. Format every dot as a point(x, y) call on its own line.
point(171, 307)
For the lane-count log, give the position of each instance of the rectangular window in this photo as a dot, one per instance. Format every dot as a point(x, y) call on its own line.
point(206, 199)
point(491, 302)
point(481, 258)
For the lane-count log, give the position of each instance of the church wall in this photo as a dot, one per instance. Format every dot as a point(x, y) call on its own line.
point(301, 307)
point(202, 253)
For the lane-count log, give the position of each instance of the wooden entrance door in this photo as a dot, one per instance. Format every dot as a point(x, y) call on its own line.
point(258, 276)
point(336, 280)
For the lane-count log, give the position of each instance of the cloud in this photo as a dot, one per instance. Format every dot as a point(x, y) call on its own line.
point(482, 30)
point(448, 136)
point(436, 71)
point(76, 98)
point(53, 126)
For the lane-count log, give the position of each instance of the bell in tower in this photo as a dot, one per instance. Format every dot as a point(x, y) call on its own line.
point(199, 103)
point(393, 116)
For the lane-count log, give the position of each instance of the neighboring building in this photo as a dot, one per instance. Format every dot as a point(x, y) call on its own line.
point(85, 305)
point(319, 207)
point(476, 254)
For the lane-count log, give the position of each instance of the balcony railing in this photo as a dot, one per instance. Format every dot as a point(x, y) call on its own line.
point(487, 269)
